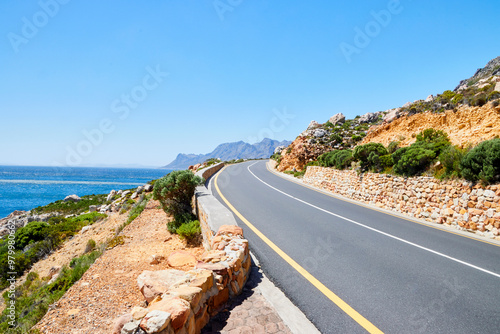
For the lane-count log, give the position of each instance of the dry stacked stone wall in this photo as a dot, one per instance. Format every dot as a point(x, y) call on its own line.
point(456, 203)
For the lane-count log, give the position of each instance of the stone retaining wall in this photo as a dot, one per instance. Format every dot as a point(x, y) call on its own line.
point(181, 302)
point(455, 203)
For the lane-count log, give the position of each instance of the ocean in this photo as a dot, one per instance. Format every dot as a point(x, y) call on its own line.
point(25, 188)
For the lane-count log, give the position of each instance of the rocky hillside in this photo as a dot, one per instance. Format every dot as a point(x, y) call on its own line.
point(229, 151)
point(469, 114)
point(467, 126)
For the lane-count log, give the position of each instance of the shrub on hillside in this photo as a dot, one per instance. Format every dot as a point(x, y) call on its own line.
point(414, 161)
point(31, 233)
point(450, 158)
point(175, 191)
point(340, 159)
point(393, 146)
point(435, 140)
point(367, 155)
point(482, 163)
point(189, 231)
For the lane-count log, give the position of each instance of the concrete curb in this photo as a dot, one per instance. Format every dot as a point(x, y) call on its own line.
point(291, 315)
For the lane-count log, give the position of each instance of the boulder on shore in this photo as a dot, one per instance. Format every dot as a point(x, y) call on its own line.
point(72, 198)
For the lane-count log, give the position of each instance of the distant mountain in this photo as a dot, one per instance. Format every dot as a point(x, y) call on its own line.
point(229, 151)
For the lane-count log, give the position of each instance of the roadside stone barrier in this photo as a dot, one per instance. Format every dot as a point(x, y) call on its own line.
point(182, 302)
point(459, 204)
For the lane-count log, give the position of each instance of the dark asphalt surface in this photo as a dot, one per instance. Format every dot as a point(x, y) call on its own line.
point(396, 286)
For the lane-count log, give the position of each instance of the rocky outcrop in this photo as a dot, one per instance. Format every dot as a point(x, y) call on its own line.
point(491, 69)
point(72, 198)
point(337, 119)
point(466, 126)
point(15, 220)
point(454, 203)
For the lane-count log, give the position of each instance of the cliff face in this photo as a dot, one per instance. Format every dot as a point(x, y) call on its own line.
point(466, 126)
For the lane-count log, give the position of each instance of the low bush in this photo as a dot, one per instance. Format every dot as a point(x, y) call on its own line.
point(90, 246)
point(368, 154)
point(450, 159)
point(414, 161)
point(189, 231)
point(340, 159)
point(482, 163)
point(393, 146)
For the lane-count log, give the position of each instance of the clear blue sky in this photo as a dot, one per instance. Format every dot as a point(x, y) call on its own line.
point(232, 65)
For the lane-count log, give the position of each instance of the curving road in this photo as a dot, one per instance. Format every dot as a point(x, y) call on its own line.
point(353, 269)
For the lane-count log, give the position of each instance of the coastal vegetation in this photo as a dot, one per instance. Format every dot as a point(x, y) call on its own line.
point(37, 240)
point(431, 154)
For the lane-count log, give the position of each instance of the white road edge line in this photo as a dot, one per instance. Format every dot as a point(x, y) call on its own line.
point(375, 230)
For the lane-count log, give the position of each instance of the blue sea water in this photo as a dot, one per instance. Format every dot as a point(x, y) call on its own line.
point(24, 188)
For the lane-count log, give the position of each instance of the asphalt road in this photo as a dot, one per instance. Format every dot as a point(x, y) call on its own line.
point(394, 275)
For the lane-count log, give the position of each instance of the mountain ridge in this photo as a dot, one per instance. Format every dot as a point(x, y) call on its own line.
point(229, 151)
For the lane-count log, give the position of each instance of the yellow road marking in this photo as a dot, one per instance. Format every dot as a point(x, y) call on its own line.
point(339, 197)
point(313, 280)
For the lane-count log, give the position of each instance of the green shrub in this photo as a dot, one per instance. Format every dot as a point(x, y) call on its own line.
point(386, 161)
point(33, 232)
point(414, 161)
point(457, 99)
point(434, 140)
point(336, 138)
point(396, 156)
point(450, 158)
point(189, 231)
point(368, 154)
point(393, 146)
point(493, 96)
point(340, 159)
point(90, 246)
point(482, 163)
point(175, 191)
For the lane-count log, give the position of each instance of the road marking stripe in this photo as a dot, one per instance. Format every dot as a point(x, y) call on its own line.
point(313, 280)
point(375, 230)
point(351, 201)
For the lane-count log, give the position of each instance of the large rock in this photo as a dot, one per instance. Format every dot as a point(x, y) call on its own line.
point(110, 196)
point(429, 98)
point(181, 259)
point(368, 117)
point(155, 321)
point(15, 220)
point(139, 190)
point(319, 133)
point(148, 187)
point(279, 149)
point(497, 87)
point(313, 125)
point(337, 119)
point(178, 309)
point(72, 198)
point(392, 115)
point(125, 193)
point(154, 283)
